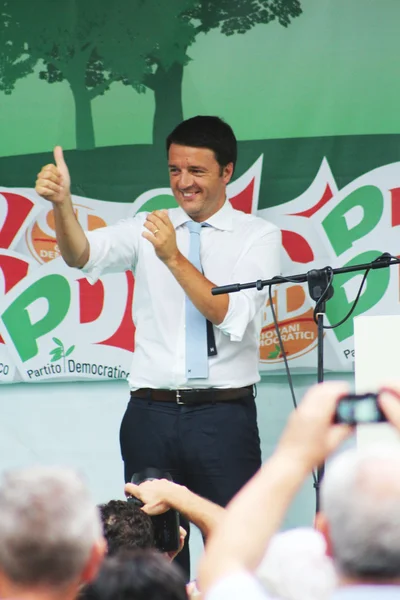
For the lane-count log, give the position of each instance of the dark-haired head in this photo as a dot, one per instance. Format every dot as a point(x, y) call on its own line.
point(126, 526)
point(201, 159)
point(207, 132)
point(137, 575)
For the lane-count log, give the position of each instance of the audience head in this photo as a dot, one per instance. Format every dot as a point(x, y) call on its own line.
point(137, 575)
point(361, 514)
point(50, 529)
point(126, 526)
point(296, 567)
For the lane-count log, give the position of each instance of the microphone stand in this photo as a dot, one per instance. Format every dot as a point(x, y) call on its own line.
point(320, 289)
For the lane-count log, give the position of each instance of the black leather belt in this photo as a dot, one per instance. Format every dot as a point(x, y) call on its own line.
point(194, 396)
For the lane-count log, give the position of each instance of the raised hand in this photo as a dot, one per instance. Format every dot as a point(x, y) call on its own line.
point(152, 493)
point(161, 233)
point(53, 182)
point(311, 435)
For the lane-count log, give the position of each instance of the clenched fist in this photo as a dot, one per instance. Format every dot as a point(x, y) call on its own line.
point(53, 182)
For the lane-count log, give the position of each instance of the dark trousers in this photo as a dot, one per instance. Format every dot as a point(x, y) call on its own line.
point(212, 449)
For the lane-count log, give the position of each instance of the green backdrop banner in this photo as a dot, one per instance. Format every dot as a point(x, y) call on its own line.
point(308, 87)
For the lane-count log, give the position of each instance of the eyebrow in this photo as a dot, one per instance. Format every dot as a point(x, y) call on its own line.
point(197, 167)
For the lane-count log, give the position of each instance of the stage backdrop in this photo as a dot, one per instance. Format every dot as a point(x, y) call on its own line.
point(311, 90)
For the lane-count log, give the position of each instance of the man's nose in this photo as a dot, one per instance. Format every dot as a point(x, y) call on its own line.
point(186, 179)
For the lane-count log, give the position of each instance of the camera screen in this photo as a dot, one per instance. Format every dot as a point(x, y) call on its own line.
point(366, 411)
point(360, 410)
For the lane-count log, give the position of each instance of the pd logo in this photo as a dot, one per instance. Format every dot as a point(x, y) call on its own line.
point(296, 325)
point(40, 236)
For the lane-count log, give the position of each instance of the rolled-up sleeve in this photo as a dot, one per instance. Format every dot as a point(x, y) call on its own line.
point(260, 260)
point(113, 249)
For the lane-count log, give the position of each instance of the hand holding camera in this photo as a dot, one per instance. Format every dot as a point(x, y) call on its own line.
point(327, 416)
point(152, 493)
point(144, 491)
point(371, 407)
point(359, 409)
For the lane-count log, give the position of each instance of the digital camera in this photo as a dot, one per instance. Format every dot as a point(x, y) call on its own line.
point(166, 525)
point(359, 409)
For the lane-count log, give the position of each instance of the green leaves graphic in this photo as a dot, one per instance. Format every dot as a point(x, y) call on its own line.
point(275, 353)
point(59, 352)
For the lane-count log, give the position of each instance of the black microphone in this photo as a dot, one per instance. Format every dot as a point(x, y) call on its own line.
point(226, 289)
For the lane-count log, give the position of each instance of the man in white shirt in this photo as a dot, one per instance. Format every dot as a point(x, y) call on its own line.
point(198, 422)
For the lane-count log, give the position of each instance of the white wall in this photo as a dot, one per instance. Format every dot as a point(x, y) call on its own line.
point(73, 424)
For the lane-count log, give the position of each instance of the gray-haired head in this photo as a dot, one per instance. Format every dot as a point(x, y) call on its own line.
point(48, 526)
point(296, 567)
point(360, 498)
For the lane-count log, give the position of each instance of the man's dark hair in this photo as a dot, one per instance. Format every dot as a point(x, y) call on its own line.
point(125, 526)
point(137, 575)
point(207, 132)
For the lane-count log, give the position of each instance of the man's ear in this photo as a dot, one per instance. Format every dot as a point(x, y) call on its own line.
point(322, 525)
point(227, 172)
point(94, 561)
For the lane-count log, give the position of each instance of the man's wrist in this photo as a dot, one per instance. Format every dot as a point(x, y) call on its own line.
point(65, 206)
point(174, 494)
point(174, 262)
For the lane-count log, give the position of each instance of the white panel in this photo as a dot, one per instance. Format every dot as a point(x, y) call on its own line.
point(376, 344)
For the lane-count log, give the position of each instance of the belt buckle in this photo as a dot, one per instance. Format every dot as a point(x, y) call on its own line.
point(178, 397)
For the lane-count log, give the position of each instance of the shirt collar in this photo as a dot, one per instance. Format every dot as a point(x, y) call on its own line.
point(223, 219)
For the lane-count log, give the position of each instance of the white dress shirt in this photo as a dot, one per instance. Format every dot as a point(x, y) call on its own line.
point(238, 586)
point(367, 592)
point(235, 248)
point(241, 585)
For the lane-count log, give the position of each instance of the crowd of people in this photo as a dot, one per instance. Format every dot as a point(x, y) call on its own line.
point(56, 544)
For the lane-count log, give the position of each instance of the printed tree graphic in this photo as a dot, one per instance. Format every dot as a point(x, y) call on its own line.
point(59, 352)
point(90, 44)
point(85, 52)
point(64, 37)
point(61, 37)
point(15, 61)
point(163, 32)
point(229, 17)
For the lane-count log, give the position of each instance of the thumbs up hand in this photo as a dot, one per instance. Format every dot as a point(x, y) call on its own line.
point(53, 182)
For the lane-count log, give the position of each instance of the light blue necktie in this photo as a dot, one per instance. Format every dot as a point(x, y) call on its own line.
point(196, 323)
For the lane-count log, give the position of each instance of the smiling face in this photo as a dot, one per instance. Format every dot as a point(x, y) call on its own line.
point(197, 180)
